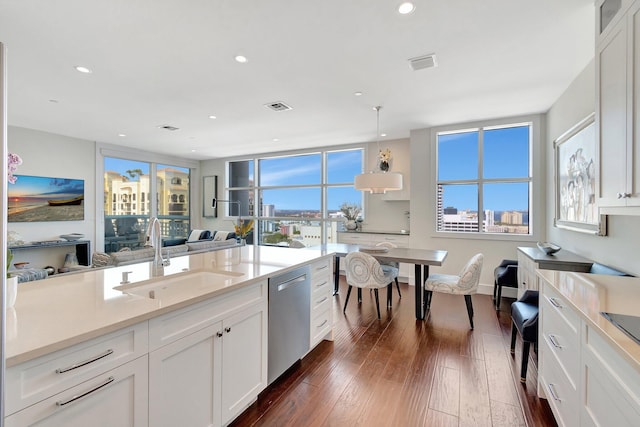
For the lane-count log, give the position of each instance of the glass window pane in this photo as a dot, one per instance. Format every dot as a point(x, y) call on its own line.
point(241, 173)
point(125, 182)
point(293, 170)
point(457, 208)
point(343, 166)
point(458, 156)
point(506, 152)
point(173, 200)
point(246, 204)
point(295, 233)
point(295, 202)
point(507, 207)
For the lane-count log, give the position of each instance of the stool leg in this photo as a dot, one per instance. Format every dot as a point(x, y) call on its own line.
point(389, 294)
point(359, 295)
point(467, 300)
point(375, 291)
point(499, 297)
point(427, 300)
point(398, 286)
point(525, 361)
point(514, 332)
point(347, 299)
point(495, 288)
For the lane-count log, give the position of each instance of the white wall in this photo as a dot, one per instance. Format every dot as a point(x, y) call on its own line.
point(619, 248)
point(47, 154)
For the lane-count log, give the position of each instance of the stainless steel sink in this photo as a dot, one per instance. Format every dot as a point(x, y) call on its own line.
point(181, 285)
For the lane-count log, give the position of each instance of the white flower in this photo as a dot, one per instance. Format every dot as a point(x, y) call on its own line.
point(385, 155)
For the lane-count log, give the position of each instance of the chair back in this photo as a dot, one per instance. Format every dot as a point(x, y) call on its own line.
point(364, 271)
point(470, 274)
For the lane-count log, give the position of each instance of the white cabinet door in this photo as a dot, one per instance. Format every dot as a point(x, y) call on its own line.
point(183, 373)
point(617, 115)
point(116, 398)
point(244, 360)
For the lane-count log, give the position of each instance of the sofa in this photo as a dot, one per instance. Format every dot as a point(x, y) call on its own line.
point(171, 248)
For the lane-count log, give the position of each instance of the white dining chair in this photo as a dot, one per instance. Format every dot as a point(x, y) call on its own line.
point(364, 271)
point(466, 283)
point(393, 264)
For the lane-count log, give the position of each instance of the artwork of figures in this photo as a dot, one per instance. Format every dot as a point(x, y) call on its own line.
point(576, 198)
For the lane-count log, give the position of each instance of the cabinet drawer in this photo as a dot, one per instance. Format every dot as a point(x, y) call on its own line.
point(357, 239)
point(180, 323)
point(561, 395)
point(321, 270)
point(319, 302)
point(321, 324)
point(399, 241)
point(117, 397)
point(32, 381)
point(557, 304)
point(563, 340)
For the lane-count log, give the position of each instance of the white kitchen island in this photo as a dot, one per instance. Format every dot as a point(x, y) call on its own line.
point(191, 346)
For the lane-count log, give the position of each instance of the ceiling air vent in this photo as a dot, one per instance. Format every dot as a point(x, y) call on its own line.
point(278, 106)
point(422, 62)
point(168, 127)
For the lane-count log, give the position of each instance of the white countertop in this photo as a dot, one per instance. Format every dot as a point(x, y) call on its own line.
point(589, 294)
point(64, 310)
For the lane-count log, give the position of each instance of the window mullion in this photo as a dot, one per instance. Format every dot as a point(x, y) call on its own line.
point(480, 180)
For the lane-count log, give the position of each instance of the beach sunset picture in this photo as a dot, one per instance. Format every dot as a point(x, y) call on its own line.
point(38, 199)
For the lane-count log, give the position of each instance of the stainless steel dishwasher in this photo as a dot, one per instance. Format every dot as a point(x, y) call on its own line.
point(289, 323)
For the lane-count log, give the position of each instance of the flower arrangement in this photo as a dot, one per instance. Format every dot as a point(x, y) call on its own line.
point(13, 161)
point(350, 210)
point(243, 228)
point(9, 259)
point(385, 155)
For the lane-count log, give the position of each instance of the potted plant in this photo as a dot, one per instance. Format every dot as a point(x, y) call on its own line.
point(350, 211)
point(243, 229)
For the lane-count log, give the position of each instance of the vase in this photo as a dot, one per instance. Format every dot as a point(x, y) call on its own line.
point(351, 225)
point(384, 166)
point(12, 290)
point(243, 242)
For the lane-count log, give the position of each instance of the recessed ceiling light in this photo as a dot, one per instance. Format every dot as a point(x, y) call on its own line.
point(54, 101)
point(357, 93)
point(193, 151)
point(241, 59)
point(213, 117)
point(82, 69)
point(122, 135)
point(275, 140)
point(406, 8)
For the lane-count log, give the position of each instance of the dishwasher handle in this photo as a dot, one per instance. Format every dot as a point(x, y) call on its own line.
point(292, 282)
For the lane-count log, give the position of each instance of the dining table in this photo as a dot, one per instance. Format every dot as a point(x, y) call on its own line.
point(421, 258)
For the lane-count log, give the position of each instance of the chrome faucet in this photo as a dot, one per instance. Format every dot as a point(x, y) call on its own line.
point(154, 239)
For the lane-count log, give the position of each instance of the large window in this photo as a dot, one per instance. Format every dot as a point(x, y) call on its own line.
point(128, 204)
point(484, 180)
point(295, 198)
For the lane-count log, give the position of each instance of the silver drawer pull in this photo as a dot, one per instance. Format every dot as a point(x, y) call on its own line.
point(555, 302)
point(554, 341)
point(322, 268)
point(552, 391)
point(86, 362)
point(322, 324)
point(322, 300)
point(86, 393)
point(321, 284)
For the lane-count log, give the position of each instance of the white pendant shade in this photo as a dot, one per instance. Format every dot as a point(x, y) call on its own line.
point(378, 182)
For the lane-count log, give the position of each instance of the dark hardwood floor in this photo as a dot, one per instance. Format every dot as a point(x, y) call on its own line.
point(401, 372)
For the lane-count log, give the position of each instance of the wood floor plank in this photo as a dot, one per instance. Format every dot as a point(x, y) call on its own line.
point(445, 391)
point(474, 394)
point(398, 371)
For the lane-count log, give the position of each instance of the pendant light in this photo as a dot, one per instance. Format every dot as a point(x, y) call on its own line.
point(378, 181)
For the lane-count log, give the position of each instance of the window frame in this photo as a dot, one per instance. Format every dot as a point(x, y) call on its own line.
point(535, 179)
point(326, 222)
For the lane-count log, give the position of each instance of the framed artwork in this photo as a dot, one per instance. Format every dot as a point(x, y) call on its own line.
point(209, 192)
point(40, 199)
point(576, 179)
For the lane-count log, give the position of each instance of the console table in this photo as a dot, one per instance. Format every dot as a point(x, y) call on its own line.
point(83, 248)
point(530, 258)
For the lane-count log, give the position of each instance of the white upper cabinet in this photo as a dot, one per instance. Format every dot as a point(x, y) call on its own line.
point(617, 115)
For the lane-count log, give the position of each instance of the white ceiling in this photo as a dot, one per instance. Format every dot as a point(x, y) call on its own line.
point(171, 62)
